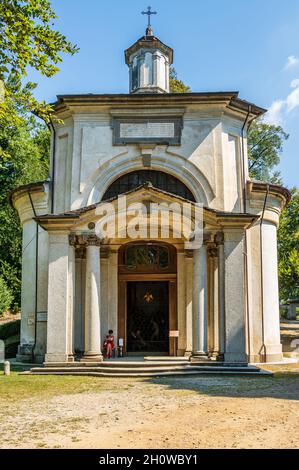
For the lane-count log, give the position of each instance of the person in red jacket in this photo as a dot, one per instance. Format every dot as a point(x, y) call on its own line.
point(109, 344)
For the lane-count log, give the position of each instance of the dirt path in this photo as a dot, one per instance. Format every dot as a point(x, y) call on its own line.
point(161, 413)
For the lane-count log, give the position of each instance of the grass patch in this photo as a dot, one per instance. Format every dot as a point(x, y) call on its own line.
point(16, 386)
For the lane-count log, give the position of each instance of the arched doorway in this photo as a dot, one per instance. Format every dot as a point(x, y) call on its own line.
point(147, 303)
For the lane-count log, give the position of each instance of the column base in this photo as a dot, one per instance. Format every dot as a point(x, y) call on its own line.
point(271, 353)
point(187, 354)
point(92, 358)
point(24, 358)
point(216, 356)
point(239, 358)
point(24, 353)
point(199, 357)
point(56, 357)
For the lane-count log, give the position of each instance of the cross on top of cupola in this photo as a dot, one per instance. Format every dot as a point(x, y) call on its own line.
point(149, 60)
point(149, 12)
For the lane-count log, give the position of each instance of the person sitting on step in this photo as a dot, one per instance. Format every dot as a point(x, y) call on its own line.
point(109, 344)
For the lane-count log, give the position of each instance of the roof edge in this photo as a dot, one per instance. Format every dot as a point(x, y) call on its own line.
point(26, 188)
point(130, 98)
point(77, 212)
point(262, 186)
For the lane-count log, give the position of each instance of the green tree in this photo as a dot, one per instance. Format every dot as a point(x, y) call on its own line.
point(28, 39)
point(25, 153)
point(5, 296)
point(265, 144)
point(176, 85)
point(288, 248)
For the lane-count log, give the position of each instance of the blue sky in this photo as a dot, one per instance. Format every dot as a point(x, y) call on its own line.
point(248, 46)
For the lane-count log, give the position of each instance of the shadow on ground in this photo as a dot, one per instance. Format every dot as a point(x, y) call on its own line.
point(284, 384)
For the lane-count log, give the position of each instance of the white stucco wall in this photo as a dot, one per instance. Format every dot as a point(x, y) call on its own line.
point(207, 161)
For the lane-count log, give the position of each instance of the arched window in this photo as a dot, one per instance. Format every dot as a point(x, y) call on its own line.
point(147, 257)
point(159, 180)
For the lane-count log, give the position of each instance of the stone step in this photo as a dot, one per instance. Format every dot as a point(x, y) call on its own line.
point(147, 370)
point(114, 370)
point(155, 373)
point(117, 364)
point(166, 358)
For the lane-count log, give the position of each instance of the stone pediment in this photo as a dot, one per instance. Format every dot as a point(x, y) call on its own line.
point(84, 218)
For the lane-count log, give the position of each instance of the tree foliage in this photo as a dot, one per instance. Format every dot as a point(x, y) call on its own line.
point(28, 39)
point(288, 248)
point(5, 296)
point(265, 144)
point(24, 153)
point(176, 85)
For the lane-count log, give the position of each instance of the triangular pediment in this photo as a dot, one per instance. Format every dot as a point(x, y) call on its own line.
point(150, 198)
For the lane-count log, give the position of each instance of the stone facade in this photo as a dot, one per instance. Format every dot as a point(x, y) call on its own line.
point(227, 306)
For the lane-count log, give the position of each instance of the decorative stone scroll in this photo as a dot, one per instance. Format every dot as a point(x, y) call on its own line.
point(212, 250)
point(150, 130)
point(84, 239)
point(214, 243)
point(219, 238)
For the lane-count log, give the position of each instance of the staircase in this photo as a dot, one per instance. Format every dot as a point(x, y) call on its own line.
point(146, 367)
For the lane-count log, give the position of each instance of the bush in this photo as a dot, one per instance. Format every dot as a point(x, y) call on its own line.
point(6, 297)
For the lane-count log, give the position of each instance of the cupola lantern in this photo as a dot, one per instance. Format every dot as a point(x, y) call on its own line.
point(148, 60)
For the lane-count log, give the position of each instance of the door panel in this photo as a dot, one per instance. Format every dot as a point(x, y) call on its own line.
point(147, 317)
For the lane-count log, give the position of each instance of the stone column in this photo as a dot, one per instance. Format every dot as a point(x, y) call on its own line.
point(59, 307)
point(105, 282)
point(92, 351)
point(42, 296)
point(181, 302)
point(79, 300)
point(155, 69)
point(199, 347)
point(219, 239)
point(113, 292)
point(214, 300)
point(270, 297)
point(71, 303)
point(28, 291)
point(235, 337)
point(189, 296)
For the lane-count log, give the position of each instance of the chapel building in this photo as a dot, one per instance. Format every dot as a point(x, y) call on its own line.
point(159, 294)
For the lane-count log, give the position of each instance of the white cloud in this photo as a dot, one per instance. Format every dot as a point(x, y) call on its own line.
point(280, 108)
point(292, 100)
point(274, 114)
point(292, 61)
point(295, 83)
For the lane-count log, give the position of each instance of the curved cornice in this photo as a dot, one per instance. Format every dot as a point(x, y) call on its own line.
point(30, 200)
point(275, 189)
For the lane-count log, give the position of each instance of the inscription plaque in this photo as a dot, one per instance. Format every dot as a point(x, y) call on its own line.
point(146, 130)
point(151, 130)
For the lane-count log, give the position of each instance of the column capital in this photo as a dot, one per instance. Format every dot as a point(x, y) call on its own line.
point(219, 238)
point(188, 253)
point(84, 239)
point(212, 250)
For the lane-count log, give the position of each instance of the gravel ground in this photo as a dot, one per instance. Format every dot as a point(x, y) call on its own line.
point(182, 412)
